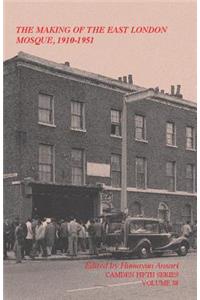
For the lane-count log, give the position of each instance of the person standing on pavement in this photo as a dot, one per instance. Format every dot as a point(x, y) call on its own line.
point(24, 228)
point(186, 231)
point(74, 228)
point(5, 241)
point(64, 235)
point(50, 236)
point(19, 241)
point(92, 238)
point(7, 226)
point(82, 238)
point(29, 238)
point(40, 230)
point(194, 235)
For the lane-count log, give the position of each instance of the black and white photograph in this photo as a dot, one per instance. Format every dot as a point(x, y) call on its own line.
point(99, 150)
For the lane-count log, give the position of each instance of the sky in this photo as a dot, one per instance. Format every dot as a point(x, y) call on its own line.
point(153, 59)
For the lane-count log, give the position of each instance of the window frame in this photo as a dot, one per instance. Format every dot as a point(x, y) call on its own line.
point(173, 134)
point(187, 216)
point(191, 179)
point(116, 124)
point(83, 167)
point(118, 172)
point(192, 138)
point(52, 102)
point(143, 187)
point(81, 116)
point(144, 137)
point(46, 164)
point(173, 176)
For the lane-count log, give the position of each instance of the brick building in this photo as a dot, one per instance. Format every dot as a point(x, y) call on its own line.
point(70, 148)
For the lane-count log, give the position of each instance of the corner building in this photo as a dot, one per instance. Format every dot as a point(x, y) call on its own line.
point(63, 141)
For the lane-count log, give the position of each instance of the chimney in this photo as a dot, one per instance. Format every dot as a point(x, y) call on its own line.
point(156, 89)
point(120, 78)
point(125, 79)
point(130, 79)
point(67, 63)
point(178, 89)
point(172, 90)
point(162, 91)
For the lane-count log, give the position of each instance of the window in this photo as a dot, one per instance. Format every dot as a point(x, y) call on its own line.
point(77, 167)
point(116, 122)
point(46, 163)
point(171, 176)
point(140, 127)
point(187, 213)
point(190, 176)
point(190, 138)
point(116, 170)
point(45, 109)
point(141, 172)
point(77, 115)
point(170, 134)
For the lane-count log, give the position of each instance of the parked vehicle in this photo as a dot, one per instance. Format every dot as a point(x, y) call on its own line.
point(142, 237)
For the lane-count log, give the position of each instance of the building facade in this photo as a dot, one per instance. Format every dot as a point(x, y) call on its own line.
point(63, 145)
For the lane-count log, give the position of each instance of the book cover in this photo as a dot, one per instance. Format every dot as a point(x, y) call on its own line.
point(100, 150)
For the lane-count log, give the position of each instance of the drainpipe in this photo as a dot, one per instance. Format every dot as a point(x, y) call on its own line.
point(129, 98)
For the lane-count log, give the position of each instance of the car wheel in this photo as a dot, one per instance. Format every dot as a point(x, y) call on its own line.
point(183, 249)
point(144, 251)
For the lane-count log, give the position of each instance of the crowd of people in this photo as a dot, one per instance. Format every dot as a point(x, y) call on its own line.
point(47, 236)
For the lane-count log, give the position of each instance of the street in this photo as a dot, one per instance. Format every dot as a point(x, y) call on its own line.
point(170, 277)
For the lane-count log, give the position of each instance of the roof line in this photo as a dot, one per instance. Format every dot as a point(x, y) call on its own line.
point(95, 78)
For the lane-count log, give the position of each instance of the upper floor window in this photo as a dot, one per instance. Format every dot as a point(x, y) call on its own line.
point(116, 170)
point(115, 122)
point(77, 115)
point(45, 109)
point(190, 178)
point(171, 175)
point(140, 127)
point(141, 172)
point(45, 163)
point(190, 138)
point(77, 166)
point(170, 134)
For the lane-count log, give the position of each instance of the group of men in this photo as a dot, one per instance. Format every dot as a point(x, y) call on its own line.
point(46, 236)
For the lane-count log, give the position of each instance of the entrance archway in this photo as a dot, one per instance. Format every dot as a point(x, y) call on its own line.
point(163, 212)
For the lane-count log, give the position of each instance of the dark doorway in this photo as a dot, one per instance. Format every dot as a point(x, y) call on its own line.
point(65, 201)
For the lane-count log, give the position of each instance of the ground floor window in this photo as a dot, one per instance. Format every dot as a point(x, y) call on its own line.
point(187, 213)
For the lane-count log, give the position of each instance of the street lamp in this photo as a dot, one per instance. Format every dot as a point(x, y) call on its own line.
point(129, 98)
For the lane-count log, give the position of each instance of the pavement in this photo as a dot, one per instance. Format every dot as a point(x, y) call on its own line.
point(60, 256)
point(81, 256)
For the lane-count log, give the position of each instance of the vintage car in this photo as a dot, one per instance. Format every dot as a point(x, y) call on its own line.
point(142, 237)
